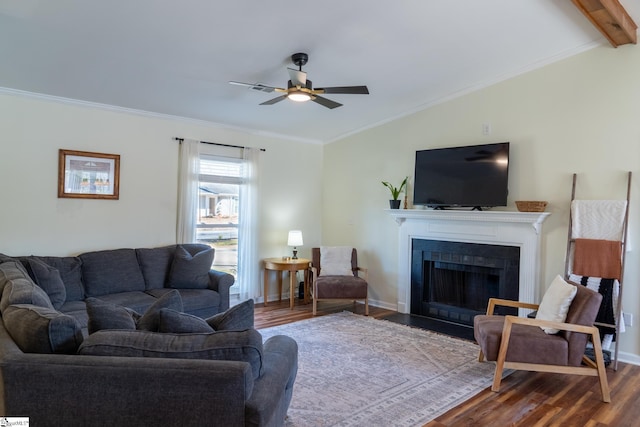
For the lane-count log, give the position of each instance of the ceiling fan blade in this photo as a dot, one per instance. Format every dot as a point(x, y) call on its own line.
point(326, 102)
point(298, 78)
point(354, 90)
point(274, 100)
point(255, 86)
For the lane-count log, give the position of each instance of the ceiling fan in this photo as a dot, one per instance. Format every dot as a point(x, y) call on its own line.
point(300, 89)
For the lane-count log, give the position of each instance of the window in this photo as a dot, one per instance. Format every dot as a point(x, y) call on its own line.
point(218, 205)
point(218, 210)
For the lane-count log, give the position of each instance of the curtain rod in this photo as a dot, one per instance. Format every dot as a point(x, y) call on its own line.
point(217, 143)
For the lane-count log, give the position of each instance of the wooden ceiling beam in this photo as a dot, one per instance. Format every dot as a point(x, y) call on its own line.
point(611, 19)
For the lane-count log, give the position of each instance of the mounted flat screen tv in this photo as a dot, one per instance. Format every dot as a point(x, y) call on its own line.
point(473, 176)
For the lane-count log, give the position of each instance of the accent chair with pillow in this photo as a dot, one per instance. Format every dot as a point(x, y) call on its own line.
point(555, 341)
point(335, 274)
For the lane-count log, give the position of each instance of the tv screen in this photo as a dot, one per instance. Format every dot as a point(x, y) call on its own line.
point(471, 176)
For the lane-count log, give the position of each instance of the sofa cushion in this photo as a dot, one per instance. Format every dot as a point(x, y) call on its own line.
point(70, 269)
point(111, 272)
point(201, 302)
point(42, 329)
point(151, 318)
point(5, 258)
point(244, 346)
point(106, 315)
point(155, 264)
point(238, 317)
point(77, 310)
point(49, 279)
point(172, 321)
point(18, 288)
point(135, 300)
point(190, 271)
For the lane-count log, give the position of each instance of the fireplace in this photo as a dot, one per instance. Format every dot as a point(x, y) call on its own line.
point(453, 281)
point(521, 230)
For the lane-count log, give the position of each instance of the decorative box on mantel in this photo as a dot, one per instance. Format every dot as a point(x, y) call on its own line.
point(505, 228)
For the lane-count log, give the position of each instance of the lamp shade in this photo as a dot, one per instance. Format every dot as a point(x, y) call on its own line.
point(295, 238)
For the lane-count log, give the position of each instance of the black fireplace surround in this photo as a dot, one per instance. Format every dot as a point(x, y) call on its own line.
point(453, 281)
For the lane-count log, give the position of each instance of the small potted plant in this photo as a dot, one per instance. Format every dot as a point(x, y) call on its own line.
point(394, 203)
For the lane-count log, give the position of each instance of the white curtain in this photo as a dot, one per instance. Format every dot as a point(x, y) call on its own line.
point(248, 227)
point(188, 179)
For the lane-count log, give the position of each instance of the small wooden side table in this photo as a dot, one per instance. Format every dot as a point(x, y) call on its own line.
point(292, 266)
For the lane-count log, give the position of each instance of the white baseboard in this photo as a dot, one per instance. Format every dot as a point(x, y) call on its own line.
point(382, 304)
point(630, 358)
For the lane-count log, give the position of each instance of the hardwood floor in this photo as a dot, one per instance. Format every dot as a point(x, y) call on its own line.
point(278, 313)
point(525, 399)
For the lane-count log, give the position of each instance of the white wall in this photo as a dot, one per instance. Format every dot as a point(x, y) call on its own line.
point(578, 115)
point(33, 220)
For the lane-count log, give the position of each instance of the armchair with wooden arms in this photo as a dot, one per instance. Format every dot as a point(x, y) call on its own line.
point(520, 343)
point(349, 283)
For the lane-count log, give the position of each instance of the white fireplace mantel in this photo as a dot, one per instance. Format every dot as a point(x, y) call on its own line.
point(506, 228)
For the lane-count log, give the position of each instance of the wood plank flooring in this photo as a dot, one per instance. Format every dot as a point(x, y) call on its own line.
point(526, 399)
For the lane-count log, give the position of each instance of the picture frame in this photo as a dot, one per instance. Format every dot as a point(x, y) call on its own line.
point(88, 175)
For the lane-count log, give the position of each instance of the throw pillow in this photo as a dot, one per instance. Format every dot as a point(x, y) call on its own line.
point(172, 321)
point(335, 261)
point(556, 302)
point(151, 318)
point(18, 288)
point(190, 271)
point(106, 315)
point(70, 269)
point(238, 317)
point(49, 279)
point(42, 329)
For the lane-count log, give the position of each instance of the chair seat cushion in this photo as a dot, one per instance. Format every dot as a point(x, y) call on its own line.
point(524, 341)
point(343, 287)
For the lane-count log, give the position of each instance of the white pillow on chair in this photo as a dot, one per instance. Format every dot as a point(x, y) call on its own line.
point(335, 261)
point(556, 302)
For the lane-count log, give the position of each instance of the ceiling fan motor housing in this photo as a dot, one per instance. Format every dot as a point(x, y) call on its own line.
point(309, 84)
point(300, 59)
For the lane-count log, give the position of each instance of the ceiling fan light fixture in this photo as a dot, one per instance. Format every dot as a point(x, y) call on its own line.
point(299, 96)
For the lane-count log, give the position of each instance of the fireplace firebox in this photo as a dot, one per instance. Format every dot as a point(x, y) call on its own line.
point(453, 281)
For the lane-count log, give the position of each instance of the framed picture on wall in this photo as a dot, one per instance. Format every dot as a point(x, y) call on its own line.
point(86, 175)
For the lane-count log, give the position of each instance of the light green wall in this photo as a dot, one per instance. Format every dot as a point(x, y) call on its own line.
point(34, 221)
point(579, 115)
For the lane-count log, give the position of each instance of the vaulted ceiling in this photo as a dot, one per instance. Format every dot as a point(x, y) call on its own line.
point(176, 58)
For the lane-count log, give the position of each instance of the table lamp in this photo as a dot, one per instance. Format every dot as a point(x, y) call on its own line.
point(295, 239)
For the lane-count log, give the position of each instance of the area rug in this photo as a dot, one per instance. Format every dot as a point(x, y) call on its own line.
point(358, 371)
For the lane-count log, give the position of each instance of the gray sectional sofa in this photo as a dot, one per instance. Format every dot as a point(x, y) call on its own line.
point(54, 371)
